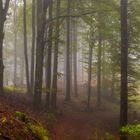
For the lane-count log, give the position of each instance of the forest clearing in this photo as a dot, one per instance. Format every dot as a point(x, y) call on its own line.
point(69, 70)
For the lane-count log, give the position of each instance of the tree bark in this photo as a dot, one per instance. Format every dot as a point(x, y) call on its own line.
point(3, 13)
point(67, 98)
point(89, 75)
point(41, 21)
point(124, 65)
point(75, 56)
point(99, 71)
point(33, 46)
point(25, 48)
point(15, 43)
point(55, 67)
point(49, 56)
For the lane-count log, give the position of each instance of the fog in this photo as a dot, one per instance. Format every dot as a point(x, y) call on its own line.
point(69, 69)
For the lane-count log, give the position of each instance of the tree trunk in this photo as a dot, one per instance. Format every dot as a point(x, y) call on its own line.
point(113, 84)
point(25, 48)
point(15, 43)
point(124, 65)
point(99, 71)
point(1, 58)
point(22, 67)
point(75, 56)
point(33, 46)
point(41, 19)
point(3, 13)
point(67, 98)
point(55, 67)
point(49, 56)
point(89, 75)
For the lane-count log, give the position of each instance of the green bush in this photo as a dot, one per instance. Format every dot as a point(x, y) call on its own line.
point(132, 131)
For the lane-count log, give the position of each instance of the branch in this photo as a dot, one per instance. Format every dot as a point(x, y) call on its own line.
point(6, 7)
point(77, 15)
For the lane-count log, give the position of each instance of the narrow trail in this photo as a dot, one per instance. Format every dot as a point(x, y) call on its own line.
point(75, 123)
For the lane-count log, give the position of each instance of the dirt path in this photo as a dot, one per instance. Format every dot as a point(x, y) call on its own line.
point(75, 123)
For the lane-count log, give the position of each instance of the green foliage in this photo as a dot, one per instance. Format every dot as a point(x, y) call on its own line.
point(131, 130)
point(16, 89)
point(38, 130)
point(20, 17)
point(21, 116)
point(35, 128)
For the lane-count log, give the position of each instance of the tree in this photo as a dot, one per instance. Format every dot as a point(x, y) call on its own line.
point(3, 12)
point(67, 98)
point(89, 73)
point(40, 43)
point(124, 65)
point(99, 70)
point(15, 43)
point(49, 56)
point(75, 21)
point(25, 48)
point(33, 46)
point(55, 64)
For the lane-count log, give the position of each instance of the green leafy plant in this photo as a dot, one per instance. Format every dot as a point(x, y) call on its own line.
point(131, 130)
point(21, 116)
point(38, 130)
point(35, 128)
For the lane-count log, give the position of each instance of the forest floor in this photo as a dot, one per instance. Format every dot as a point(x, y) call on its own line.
point(76, 122)
point(72, 120)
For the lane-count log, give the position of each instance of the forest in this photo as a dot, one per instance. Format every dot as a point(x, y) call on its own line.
point(69, 70)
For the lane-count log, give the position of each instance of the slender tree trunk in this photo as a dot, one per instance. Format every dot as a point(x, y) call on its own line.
point(33, 46)
point(67, 98)
point(99, 71)
point(15, 43)
point(71, 50)
point(25, 48)
point(55, 67)
point(49, 56)
point(113, 84)
point(22, 67)
point(89, 75)
point(1, 57)
point(75, 57)
point(3, 13)
point(41, 21)
point(103, 83)
point(124, 65)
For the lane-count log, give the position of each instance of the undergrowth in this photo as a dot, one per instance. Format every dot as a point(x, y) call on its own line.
point(21, 127)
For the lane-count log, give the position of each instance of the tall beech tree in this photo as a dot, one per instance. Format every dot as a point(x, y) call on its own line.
point(40, 43)
point(99, 69)
point(75, 21)
point(67, 98)
point(33, 46)
point(124, 65)
point(3, 12)
point(25, 47)
point(15, 43)
point(56, 48)
point(49, 56)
